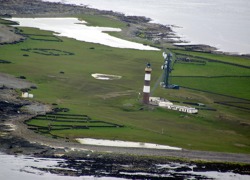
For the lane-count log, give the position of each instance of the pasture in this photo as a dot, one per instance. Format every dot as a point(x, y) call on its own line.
point(42, 58)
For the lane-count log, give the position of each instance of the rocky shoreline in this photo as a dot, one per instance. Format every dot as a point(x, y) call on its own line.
point(16, 139)
point(138, 27)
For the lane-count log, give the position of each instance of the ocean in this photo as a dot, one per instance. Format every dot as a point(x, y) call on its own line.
point(29, 168)
point(223, 24)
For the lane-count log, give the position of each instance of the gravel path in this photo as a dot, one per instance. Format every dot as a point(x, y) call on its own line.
point(10, 81)
point(7, 35)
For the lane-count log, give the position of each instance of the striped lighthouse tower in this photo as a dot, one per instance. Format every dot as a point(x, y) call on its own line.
point(146, 88)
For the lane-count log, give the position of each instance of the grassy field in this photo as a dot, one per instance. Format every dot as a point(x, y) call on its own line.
point(118, 101)
point(102, 21)
point(6, 22)
point(223, 58)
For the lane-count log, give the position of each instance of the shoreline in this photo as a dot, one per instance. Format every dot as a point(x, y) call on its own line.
point(27, 142)
point(211, 27)
point(158, 34)
point(203, 43)
point(16, 139)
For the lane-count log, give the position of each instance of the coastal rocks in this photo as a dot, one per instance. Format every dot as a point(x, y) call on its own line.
point(37, 108)
point(11, 106)
point(137, 26)
point(134, 19)
point(85, 162)
point(134, 167)
point(16, 145)
point(13, 109)
point(200, 47)
point(7, 109)
point(37, 7)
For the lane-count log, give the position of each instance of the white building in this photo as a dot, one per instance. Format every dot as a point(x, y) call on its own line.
point(164, 103)
point(27, 95)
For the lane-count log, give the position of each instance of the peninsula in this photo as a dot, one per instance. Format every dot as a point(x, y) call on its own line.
point(70, 103)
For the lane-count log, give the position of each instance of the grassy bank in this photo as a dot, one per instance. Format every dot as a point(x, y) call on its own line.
point(62, 67)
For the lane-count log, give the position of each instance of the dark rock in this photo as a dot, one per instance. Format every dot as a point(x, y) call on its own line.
point(33, 87)
point(4, 61)
point(22, 77)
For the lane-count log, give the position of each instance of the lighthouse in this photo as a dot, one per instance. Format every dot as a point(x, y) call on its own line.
point(146, 88)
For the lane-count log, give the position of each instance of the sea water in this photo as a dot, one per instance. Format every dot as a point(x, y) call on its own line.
point(223, 24)
point(28, 168)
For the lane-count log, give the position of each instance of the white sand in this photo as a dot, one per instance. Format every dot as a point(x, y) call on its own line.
point(76, 29)
point(117, 143)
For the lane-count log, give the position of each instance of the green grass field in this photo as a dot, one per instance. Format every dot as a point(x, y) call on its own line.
point(118, 101)
point(223, 58)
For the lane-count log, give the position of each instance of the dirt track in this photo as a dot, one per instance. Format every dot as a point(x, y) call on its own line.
point(10, 81)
